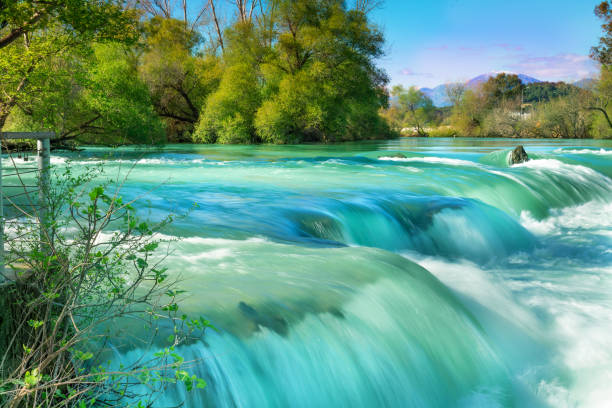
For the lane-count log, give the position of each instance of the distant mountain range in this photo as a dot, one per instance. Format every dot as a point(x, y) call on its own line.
point(439, 98)
point(474, 82)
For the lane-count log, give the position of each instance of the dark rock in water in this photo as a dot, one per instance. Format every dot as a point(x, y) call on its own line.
point(275, 323)
point(518, 155)
point(393, 156)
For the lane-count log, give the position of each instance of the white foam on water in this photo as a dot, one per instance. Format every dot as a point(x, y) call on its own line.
point(335, 161)
point(410, 169)
point(600, 152)
point(577, 329)
point(438, 160)
point(215, 254)
point(594, 215)
point(58, 160)
point(509, 176)
point(559, 167)
point(581, 310)
point(142, 161)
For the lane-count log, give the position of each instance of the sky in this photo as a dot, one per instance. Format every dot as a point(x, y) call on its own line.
point(432, 42)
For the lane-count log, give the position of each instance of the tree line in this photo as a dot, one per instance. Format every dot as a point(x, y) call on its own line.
point(503, 106)
point(245, 71)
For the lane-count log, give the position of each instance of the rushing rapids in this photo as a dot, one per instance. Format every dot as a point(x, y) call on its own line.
point(410, 273)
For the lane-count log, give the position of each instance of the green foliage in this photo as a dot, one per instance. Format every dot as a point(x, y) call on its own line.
point(443, 131)
point(602, 53)
point(33, 36)
point(179, 78)
point(555, 110)
point(296, 71)
point(230, 111)
point(413, 109)
point(545, 91)
point(93, 96)
point(503, 89)
point(123, 102)
point(565, 117)
point(311, 78)
point(95, 270)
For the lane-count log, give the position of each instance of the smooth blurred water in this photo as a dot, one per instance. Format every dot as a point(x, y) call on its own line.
point(342, 276)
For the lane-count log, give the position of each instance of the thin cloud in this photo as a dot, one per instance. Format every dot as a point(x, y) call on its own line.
point(556, 67)
point(411, 73)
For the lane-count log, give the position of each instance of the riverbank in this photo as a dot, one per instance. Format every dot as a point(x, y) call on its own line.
point(451, 132)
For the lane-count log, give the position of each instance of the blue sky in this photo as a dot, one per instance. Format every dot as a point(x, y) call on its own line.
point(438, 41)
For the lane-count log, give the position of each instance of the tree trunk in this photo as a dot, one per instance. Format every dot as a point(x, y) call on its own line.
point(214, 14)
point(604, 113)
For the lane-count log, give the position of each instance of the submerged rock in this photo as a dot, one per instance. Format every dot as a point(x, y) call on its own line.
point(393, 156)
point(518, 155)
point(275, 323)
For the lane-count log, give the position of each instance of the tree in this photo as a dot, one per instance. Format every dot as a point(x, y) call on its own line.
point(415, 107)
point(104, 20)
point(566, 117)
point(325, 55)
point(178, 77)
point(503, 89)
point(603, 94)
point(230, 111)
point(468, 115)
point(546, 91)
point(311, 73)
point(94, 96)
point(32, 32)
point(603, 52)
point(455, 92)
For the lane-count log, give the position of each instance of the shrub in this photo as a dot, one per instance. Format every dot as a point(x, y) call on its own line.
point(229, 112)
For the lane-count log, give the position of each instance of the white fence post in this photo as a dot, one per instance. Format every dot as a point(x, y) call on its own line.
point(44, 165)
point(1, 218)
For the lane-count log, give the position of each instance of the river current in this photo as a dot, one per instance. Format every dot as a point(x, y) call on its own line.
point(406, 273)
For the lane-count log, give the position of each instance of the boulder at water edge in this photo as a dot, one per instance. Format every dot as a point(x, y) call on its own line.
point(518, 155)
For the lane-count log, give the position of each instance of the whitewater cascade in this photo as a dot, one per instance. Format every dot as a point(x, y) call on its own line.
point(352, 276)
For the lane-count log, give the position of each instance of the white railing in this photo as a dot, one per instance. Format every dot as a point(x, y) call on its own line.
point(12, 196)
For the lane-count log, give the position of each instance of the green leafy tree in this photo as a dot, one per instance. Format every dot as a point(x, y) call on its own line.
point(94, 96)
point(32, 33)
point(230, 111)
point(603, 52)
point(331, 89)
point(415, 109)
point(467, 116)
point(545, 91)
point(104, 20)
point(503, 89)
point(309, 72)
point(178, 76)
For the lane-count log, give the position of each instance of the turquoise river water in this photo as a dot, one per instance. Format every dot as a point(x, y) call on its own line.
point(340, 276)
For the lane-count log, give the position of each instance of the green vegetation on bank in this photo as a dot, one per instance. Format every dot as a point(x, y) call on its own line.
point(281, 71)
point(505, 107)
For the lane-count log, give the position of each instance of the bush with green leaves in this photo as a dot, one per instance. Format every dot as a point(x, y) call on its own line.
point(70, 291)
point(230, 111)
